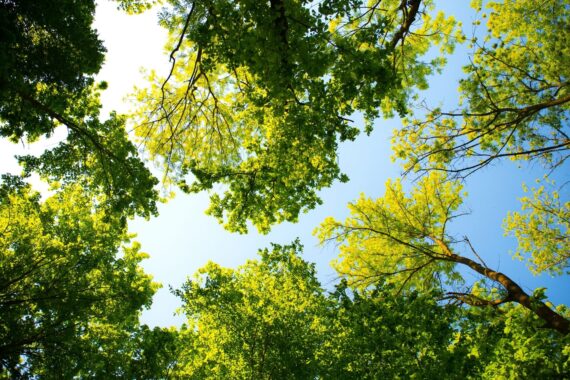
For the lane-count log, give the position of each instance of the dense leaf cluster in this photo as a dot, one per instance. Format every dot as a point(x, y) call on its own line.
point(66, 270)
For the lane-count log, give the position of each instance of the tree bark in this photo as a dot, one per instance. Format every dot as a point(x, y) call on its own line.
point(409, 17)
point(515, 293)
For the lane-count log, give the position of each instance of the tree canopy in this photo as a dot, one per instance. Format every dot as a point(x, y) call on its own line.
point(261, 320)
point(258, 100)
point(542, 229)
point(515, 98)
point(36, 40)
point(260, 94)
point(49, 57)
point(404, 239)
point(65, 269)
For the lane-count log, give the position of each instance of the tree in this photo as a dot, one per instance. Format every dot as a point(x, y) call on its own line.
point(376, 334)
point(104, 161)
point(403, 239)
point(260, 94)
point(515, 103)
point(49, 55)
point(70, 278)
point(515, 98)
point(48, 58)
point(66, 267)
point(261, 320)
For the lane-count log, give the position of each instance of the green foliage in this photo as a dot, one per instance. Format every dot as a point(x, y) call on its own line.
point(515, 98)
point(260, 93)
point(65, 267)
point(48, 56)
point(47, 53)
point(125, 351)
point(261, 320)
point(270, 319)
point(103, 160)
point(376, 335)
point(401, 239)
point(512, 345)
point(542, 230)
point(393, 238)
point(258, 99)
point(137, 6)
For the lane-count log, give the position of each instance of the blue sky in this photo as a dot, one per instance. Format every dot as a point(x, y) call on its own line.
point(183, 238)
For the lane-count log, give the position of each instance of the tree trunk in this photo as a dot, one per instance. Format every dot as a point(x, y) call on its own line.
point(514, 292)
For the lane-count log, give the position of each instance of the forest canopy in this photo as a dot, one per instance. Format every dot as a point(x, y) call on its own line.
point(258, 100)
